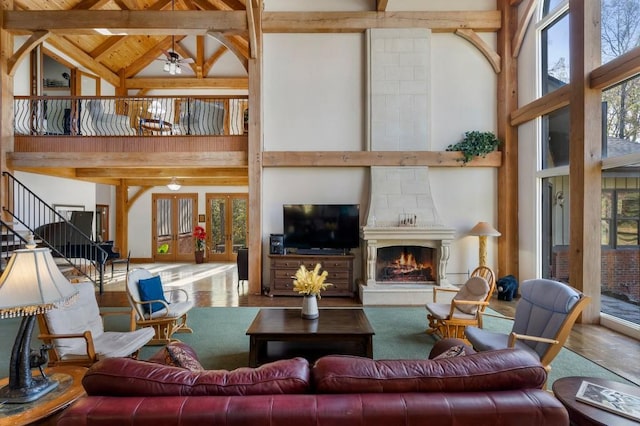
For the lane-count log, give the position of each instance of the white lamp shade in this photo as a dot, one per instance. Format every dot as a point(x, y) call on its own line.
point(484, 229)
point(32, 283)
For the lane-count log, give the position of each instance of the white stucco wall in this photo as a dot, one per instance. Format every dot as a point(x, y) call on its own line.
point(314, 100)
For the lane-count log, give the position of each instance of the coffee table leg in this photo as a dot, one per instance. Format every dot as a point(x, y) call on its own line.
point(253, 352)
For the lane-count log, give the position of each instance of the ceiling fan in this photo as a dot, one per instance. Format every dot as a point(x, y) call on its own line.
point(173, 61)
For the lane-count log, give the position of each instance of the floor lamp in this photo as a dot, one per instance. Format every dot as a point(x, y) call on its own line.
point(483, 230)
point(30, 285)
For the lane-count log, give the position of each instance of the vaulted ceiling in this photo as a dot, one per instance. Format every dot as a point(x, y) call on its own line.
point(118, 56)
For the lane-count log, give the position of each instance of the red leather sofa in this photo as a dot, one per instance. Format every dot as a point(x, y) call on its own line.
point(489, 388)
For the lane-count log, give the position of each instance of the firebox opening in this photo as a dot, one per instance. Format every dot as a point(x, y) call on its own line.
point(406, 264)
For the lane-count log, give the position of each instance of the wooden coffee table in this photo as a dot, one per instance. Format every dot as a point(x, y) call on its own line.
point(282, 333)
point(582, 414)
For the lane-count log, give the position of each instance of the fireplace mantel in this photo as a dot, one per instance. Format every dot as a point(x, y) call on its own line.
point(407, 233)
point(375, 237)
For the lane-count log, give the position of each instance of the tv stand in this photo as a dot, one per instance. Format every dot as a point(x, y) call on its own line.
point(339, 267)
point(322, 252)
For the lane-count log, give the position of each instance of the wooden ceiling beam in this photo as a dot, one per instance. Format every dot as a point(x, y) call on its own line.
point(187, 83)
point(103, 49)
point(129, 22)
point(129, 173)
point(206, 181)
point(232, 46)
point(90, 4)
point(83, 59)
point(208, 64)
point(381, 5)
point(186, 160)
point(374, 158)
point(24, 50)
point(345, 22)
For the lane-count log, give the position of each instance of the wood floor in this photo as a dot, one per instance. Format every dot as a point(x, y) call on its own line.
point(216, 284)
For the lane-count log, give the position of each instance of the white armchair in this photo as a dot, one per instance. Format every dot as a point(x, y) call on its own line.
point(76, 335)
point(167, 318)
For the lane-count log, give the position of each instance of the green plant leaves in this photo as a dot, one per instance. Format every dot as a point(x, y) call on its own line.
point(475, 144)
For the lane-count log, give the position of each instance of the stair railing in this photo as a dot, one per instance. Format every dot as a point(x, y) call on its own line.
point(11, 241)
point(52, 230)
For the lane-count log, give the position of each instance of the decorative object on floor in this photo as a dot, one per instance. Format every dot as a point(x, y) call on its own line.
point(483, 230)
point(507, 288)
point(475, 144)
point(200, 237)
point(173, 184)
point(31, 284)
point(167, 321)
point(310, 284)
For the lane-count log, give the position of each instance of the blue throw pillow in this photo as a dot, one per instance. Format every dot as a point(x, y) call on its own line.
point(151, 289)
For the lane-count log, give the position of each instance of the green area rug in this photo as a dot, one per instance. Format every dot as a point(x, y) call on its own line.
point(221, 343)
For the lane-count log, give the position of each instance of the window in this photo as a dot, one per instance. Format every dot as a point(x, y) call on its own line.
point(555, 54)
point(550, 6)
point(555, 136)
point(620, 27)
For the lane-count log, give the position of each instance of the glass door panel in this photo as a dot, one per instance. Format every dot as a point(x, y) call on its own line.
point(217, 226)
point(239, 223)
point(226, 225)
point(174, 219)
point(164, 241)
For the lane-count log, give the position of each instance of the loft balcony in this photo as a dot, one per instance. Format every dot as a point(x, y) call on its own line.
point(130, 124)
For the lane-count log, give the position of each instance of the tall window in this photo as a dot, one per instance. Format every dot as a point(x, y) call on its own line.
point(555, 54)
point(620, 281)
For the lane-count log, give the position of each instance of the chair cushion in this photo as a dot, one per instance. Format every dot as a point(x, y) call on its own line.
point(151, 289)
point(441, 311)
point(76, 317)
point(484, 340)
point(129, 377)
point(476, 290)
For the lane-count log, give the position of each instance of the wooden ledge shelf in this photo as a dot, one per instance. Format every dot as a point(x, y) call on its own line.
point(375, 158)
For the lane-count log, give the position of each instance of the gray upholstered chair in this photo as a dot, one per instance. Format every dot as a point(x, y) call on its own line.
point(76, 333)
point(108, 124)
point(171, 315)
point(543, 320)
point(200, 117)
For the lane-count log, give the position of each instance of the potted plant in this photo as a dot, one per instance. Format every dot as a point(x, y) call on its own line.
point(475, 144)
point(200, 236)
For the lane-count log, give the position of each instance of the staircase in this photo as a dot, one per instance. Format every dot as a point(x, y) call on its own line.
point(73, 249)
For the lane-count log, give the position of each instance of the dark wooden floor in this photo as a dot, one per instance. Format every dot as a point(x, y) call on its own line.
point(217, 285)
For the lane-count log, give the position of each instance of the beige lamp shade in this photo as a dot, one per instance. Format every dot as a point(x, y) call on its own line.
point(32, 283)
point(483, 230)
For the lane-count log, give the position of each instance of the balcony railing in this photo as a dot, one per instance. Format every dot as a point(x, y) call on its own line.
point(130, 116)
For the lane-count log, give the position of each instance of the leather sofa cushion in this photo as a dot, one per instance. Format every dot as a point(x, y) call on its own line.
point(480, 372)
point(130, 377)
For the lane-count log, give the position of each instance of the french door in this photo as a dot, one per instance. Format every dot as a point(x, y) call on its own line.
point(226, 225)
point(174, 218)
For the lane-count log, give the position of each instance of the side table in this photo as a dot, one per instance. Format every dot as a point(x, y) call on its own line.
point(69, 389)
point(582, 414)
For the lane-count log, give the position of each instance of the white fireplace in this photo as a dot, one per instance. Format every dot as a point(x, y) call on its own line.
point(401, 212)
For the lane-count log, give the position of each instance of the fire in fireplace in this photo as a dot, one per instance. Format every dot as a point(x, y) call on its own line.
point(405, 264)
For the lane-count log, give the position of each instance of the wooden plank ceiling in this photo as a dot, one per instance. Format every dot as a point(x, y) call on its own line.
point(119, 58)
point(125, 55)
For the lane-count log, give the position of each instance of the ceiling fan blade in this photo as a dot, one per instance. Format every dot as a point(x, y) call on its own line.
point(187, 61)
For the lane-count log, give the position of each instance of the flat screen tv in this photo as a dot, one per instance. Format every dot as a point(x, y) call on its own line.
point(321, 226)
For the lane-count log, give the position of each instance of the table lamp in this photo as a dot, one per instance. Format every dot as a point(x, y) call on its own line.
point(483, 230)
point(30, 285)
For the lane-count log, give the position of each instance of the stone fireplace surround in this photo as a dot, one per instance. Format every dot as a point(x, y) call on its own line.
point(401, 209)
